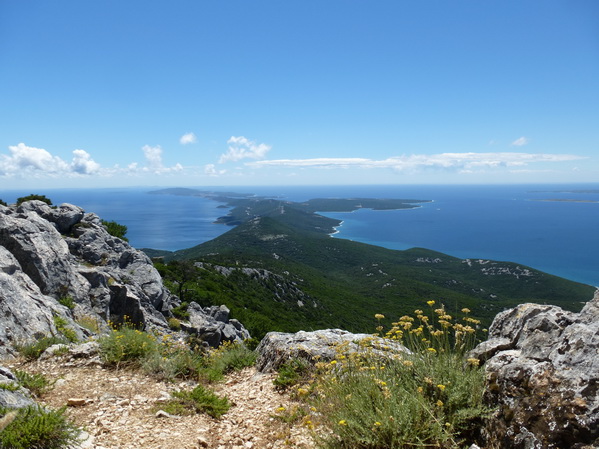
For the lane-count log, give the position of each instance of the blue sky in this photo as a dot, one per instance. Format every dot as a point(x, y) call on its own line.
point(252, 92)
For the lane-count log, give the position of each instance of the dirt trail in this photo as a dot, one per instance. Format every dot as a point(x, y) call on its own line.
point(118, 410)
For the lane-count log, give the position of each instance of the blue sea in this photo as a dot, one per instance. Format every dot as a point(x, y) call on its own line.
point(501, 222)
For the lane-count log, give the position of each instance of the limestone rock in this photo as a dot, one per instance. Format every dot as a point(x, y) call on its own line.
point(12, 399)
point(543, 374)
point(50, 253)
point(212, 325)
point(277, 347)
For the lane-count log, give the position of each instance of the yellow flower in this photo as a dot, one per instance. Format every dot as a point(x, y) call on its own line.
point(408, 363)
point(441, 387)
point(377, 424)
point(473, 361)
point(430, 303)
point(418, 312)
point(379, 316)
point(281, 409)
point(333, 362)
point(343, 422)
point(439, 403)
point(431, 350)
point(465, 310)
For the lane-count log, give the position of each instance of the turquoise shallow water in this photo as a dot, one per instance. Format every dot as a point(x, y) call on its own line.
point(510, 223)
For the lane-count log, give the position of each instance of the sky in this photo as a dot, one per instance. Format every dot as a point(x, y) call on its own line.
point(268, 92)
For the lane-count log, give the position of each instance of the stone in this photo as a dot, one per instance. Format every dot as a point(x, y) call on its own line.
point(321, 345)
point(163, 414)
point(76, 402)
point(542, 367)
point(213, 326)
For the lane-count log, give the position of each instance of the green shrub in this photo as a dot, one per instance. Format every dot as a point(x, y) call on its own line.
point(429, 398)
point(127, 346)
point(67, 301)
point(37, 384)
point(62, 326)
point(36, 427)
point(34, 197)
point(3, 203)
point(90, 323)
point(227, 358)
point(174, 324)
point(291, 373)
point(115, 229)
point(198, 400)
point(33, 350)
point(181, 311)
point(175, 363)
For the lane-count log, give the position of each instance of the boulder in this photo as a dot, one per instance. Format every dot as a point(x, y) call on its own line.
point(322, 345)
point(212, 325)
point(542, 366)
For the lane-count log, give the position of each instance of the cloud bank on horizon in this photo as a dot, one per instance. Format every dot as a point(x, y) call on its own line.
point(26, 162)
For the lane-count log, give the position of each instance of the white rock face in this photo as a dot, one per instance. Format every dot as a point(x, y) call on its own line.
point(48, 254)
point(543, 374)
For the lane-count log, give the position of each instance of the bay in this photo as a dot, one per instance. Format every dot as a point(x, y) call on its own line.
point(501, 222)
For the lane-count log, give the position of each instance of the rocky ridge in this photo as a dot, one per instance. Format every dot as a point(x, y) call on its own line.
point(51, 256)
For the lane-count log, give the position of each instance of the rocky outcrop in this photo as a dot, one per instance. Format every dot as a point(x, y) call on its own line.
point(321, 345)
point(213, 325)
point(53, 255)
point(543, 375)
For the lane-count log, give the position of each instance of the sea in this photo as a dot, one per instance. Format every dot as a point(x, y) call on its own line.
point(552, 227)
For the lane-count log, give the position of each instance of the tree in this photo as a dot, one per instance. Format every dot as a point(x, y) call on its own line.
point(115, 229)
point(34, 197)
point(180, 273)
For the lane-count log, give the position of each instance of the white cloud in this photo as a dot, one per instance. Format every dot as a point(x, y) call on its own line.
point(153, 156)
point(243, 148)
point(520, 141)
point(459, 161)
point(210, 170)
point(154, 163)
point(23, 157)
point(83, 163)
point(29, 162)
point(188, 138)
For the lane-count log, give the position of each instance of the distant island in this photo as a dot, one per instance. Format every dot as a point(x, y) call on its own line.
point(246, 206)
point(566, 191)
point(566, 200)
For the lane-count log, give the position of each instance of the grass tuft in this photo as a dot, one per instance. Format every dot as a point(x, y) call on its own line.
point(33, 350)
point(198, 400)
point(36, 383)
